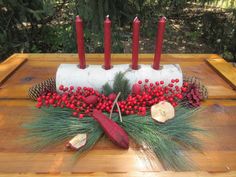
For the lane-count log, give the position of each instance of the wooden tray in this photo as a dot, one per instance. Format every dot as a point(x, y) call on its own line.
point(20, 71)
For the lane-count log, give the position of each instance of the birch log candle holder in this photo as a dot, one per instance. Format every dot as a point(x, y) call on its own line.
point(96, 76)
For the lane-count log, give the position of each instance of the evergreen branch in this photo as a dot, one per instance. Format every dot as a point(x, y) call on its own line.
point(168, 141)
point(55, 125)
point(121, 84)
point(107, 90)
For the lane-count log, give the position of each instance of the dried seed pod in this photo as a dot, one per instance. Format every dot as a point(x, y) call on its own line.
point(116, 134)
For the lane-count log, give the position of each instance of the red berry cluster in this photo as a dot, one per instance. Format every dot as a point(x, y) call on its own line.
point(145, 94)
point(82, 101)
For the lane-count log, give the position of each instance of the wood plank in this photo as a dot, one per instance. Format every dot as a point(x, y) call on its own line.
point(31, 73)
point(129, 174)
point(9, 66)
point(219, 151)
point(121, 57)
point(225, 69)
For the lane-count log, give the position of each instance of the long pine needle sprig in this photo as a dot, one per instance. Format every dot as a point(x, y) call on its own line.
point(169, 140)
point(54, 125)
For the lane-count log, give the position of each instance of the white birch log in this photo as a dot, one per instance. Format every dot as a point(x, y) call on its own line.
point(95, 76)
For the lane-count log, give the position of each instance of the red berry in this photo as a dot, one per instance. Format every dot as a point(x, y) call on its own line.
point(184, 89)
point(61, 87)
point(71, 87)
point(81, 116)
point(51, 101)
point(39, 99)
point(136, 89)
point(146, 80)
point(172, 80)
point(75, 114)
point(161, 82)
point(39, 105)
point(112, 96)
point(185, 84)
point(72, 106)
point(92, 99)
point(176, 80)
point(139, 82)
point(157, 83)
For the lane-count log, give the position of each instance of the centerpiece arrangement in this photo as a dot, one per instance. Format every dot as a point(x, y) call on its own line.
point(151, 104)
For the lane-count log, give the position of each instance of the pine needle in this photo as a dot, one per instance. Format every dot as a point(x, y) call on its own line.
point(169, 140)
point(107, 90)
point(54, 125)
point(121, 84)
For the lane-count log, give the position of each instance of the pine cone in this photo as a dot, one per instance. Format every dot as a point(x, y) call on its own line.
point(192, 97)
point(199, 86)
point(37, 90)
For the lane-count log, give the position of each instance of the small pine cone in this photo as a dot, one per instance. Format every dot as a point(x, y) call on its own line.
point(41, 88)
point(199, 85)
point(192, 96)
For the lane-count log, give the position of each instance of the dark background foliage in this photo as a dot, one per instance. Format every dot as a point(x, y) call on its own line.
point(200, 26)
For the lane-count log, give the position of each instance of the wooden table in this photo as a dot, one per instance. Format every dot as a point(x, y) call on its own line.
point(20, 71)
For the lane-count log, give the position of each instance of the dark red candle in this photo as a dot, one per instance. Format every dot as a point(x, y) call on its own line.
point(135, 44)
point(159, 41)
point(107, 43)
point(80, 42)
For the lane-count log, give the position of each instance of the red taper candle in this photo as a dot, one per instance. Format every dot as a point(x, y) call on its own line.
point(107, 43)
point(80, 41)
point(159, 41)
point(135, 44)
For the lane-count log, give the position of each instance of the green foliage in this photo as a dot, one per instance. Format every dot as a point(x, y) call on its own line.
point(219, 32)
point(167, 140)
point(107, 90)
point(120, 85)
point(55, 125)
point(22, 24)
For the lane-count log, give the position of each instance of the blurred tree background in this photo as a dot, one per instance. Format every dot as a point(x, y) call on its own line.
point(194, 26)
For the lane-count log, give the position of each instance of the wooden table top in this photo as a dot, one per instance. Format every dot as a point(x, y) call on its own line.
point(20, 71)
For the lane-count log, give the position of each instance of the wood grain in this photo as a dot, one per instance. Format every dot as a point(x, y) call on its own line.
point(219, 151)
point(42, 66)
point(105, 159)
point(129, 174)
point(9, 66)
point(225, 69)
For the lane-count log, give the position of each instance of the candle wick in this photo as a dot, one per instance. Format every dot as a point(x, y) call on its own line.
point(163, 17)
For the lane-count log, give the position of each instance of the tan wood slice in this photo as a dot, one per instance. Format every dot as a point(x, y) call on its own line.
point(225, 69)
